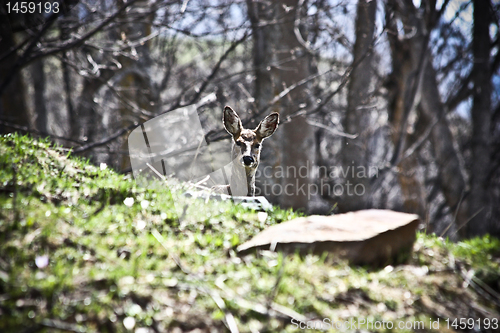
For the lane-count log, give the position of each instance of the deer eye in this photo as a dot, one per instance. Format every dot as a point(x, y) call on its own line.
point(239, 143)
point(256, 146)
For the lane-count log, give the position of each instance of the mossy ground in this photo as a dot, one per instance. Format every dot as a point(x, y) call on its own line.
point(78, 255)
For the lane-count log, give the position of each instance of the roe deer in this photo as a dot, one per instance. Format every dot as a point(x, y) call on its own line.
point(245, 152)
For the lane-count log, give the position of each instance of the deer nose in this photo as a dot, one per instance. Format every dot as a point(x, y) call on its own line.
point(248, 160)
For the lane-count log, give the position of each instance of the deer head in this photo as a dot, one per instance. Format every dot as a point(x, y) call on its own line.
point(247, 144)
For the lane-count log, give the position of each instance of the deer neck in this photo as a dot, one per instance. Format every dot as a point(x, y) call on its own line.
point(242, 179)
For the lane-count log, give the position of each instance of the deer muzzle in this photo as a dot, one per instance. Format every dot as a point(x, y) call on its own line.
point(248, 160)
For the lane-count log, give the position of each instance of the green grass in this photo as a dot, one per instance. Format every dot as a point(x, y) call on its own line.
point(111, 265)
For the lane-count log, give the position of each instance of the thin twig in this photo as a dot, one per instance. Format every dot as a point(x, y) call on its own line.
point(104, 141)
point(296, 29)
point(37, 132)
point(454, 216)
point(230, 321)
point(184, 6)
point(468, 220)
point(332, 130)
point(274, 291)
point(277, 311)
point(176, 259)
point(63, 326)
point(14, 197)
point(216, 67)
point(85, 37)
point(414, 147)
point(476, 283)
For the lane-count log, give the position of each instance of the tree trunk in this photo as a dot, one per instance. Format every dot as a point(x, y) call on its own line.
point(280, 60)
point(450, 171)
point(40, 108)
point(68, 89)
point(265, 41)
point(86, 122)
point(408, 51)
point(479, 203)
point(13, 108)
point(135, 85)
point(404, 69)
point(357, 119)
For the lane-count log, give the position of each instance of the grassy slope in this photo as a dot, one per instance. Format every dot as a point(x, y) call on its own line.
point(111, 266)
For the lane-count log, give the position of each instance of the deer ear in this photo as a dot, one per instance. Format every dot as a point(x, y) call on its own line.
point(268, 126)
point(232, 122)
